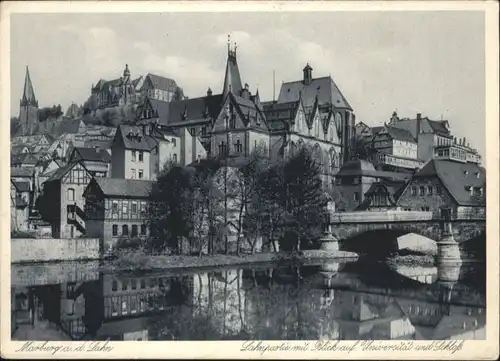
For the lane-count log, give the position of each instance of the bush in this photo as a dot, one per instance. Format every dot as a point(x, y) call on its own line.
point(124, 243)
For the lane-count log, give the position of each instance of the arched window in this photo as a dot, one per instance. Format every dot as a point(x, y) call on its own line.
point(71, 194)
point(318, 156)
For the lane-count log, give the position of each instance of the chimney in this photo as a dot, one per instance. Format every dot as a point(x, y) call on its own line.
point(209, 92)
point(419, 116)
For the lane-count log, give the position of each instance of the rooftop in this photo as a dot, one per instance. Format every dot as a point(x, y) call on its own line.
point(457, 177)
point(130, 188)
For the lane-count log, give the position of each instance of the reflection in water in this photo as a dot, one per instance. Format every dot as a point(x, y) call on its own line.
point(328, 301)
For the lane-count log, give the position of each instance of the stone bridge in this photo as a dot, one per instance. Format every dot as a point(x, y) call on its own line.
point(376, 228)
point(345, 226)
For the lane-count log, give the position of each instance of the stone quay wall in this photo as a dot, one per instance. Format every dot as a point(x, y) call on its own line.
point(54, 249)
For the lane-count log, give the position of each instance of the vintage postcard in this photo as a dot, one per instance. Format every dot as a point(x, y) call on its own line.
point(275, 180)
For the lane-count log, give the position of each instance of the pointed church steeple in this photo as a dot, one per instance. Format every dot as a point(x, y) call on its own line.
point(28, 92)
point(232, 79)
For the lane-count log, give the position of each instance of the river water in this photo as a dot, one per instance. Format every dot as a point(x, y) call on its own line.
point(320, 300)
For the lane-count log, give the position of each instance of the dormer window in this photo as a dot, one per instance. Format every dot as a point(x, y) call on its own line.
point(477, 175)
point(466, 172)
point(470, 190)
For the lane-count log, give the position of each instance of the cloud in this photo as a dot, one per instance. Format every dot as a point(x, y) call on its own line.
point(102, 54)
point(193, 75)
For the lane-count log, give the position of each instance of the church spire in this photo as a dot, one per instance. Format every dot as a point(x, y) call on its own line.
point(232, 79)
point(28, 92)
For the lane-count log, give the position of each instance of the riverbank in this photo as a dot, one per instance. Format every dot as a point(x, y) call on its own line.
point(411, 260)
point(140, 261)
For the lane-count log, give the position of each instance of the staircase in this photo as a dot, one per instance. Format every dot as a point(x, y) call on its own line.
point(76, 217)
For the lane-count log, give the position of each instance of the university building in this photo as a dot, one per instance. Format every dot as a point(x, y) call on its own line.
point(311, 113)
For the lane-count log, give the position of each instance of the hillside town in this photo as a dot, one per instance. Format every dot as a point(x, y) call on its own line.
point(111, 149)
point(142, 176)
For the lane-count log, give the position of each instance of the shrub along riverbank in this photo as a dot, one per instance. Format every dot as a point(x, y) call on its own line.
point(138, 260)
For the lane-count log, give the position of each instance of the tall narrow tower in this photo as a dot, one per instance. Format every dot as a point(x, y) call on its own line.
point(232, 79)
point(28, 109)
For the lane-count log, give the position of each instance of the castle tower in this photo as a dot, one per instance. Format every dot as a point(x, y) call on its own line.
point(232, 79)
point(28, 109)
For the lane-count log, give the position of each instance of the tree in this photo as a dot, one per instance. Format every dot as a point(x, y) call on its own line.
point(296, 205)
point(184, 206)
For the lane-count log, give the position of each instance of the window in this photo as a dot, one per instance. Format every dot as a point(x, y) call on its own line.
point(174, 157)
point(238, 146)
point(125, 230)
point(143, 229)
point(141, 157)
point(114, 207)
point(124, 307)
point(133, 304)
point(115, 230)
point(134, 156)
point(124, 285)
point(193, 131)
point(356, 196)
point(133, 283)
point(71, 194)
point(143, 207)
point(125, 208)
point(438, 190)
point(114, 286)
point(134, 207)
point(204, 131)
point(174, 142)
point(355, 180)
point(133, 173)
point(114, 306)
point(134, 230)
point(141, 174)
point(429, 190)
point(422, 191)
point(143, 283)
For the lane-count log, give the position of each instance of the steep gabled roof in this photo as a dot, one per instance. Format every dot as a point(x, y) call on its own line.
point(130, 188)
point(159, 107)
point(69, 126)
point(325, 88)
point(61, 172)
point(17, 149)
point(91, 154)
point(133, 138)
point(195, 109)
point(456, 177)
point(439, 127)
point(162, 83)
point(399, 134)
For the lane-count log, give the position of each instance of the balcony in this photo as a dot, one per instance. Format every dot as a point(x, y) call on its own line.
point(451, 152)
point(395, 161)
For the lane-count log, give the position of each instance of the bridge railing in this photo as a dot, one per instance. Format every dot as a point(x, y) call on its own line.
point(382, 217)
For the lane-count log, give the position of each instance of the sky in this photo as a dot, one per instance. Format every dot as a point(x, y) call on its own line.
point(414, 62)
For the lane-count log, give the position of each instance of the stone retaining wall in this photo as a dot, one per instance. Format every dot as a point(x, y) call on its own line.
point(53, 249)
